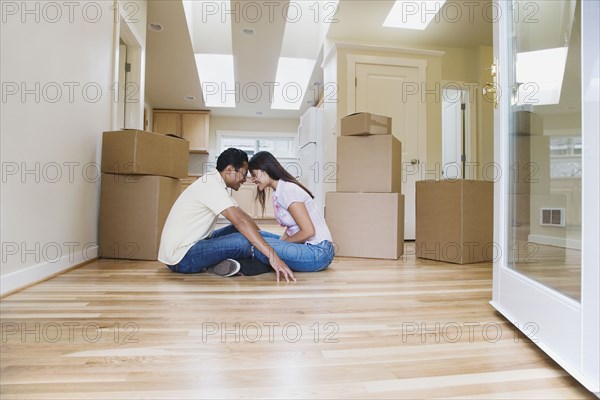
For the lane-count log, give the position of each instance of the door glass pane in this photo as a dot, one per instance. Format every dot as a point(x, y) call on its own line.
point(545, 143)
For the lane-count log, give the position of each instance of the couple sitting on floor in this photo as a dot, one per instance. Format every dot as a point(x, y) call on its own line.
point(190, 244)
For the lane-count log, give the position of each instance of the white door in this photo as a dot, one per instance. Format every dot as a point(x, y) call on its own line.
point(381, 88)
point(546, 276)
point(452, 133)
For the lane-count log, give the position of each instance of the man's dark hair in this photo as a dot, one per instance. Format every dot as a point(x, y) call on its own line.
point(232, 156)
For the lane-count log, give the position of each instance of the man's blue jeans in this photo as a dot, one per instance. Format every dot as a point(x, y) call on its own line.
point(223, 243)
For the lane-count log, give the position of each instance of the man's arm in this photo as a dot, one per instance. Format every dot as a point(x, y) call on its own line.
point(246, 226)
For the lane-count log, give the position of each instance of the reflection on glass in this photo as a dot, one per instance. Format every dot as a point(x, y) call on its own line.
point(545, 143)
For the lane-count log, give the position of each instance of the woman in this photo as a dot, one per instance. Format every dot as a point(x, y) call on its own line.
point(306, 244)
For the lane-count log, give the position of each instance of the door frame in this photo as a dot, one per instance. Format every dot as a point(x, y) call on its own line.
point(421, 65)
point(568, 331)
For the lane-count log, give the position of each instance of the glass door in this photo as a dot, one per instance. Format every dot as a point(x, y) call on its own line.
point(546, 275)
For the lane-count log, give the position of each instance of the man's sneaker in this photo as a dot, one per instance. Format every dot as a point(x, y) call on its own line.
point(225, 268)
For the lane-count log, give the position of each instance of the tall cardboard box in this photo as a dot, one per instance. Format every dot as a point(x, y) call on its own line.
point(144, 153)
point(369, 164)
point(454, 221)
point(363, 123)
point(369, 225)
point(133, 211)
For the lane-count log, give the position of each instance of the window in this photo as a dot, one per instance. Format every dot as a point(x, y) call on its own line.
point(565, 157)
point(281, 145)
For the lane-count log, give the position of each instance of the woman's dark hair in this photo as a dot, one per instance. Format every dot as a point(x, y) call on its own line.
point(231, 156)
point(266, 162)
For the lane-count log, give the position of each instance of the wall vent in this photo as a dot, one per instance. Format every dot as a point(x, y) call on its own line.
point(552, 216)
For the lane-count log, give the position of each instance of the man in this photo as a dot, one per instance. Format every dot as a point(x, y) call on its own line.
point(189, 243)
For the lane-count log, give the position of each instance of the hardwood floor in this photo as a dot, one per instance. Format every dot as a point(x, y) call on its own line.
point(410, 328)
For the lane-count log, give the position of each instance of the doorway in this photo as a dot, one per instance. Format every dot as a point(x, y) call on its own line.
point(458, 129)
point(127, 88)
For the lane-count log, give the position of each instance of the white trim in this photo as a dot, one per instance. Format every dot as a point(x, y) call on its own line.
point(421, 66)
point(36, 273)
point(555, 241)
point(386, 49)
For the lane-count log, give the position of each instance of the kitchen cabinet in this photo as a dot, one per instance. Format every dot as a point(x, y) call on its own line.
point(191, 125)
point(246, 199)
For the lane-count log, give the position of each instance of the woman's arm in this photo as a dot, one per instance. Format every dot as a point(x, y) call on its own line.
point(307, 229)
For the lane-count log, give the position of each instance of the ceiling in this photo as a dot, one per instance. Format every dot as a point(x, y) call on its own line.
point(171, 72)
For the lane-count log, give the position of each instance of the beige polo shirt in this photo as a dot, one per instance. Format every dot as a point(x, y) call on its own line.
point(193, 216)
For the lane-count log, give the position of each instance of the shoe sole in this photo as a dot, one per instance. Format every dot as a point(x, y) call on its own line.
point(224, 268)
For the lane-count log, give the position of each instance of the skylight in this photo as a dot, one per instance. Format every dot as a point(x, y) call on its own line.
point(217, 79)
point(291, 81)
point(541, 75)
point(411, 14)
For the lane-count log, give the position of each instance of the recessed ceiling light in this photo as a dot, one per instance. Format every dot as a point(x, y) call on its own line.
point(248, 31)
point(190, 97)
point(155, 27)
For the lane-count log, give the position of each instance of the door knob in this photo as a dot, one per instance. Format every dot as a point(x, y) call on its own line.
point(414, 161)
point(490, 88)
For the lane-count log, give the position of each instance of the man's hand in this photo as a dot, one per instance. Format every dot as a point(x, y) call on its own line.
point(281, 268)
point(247, 227)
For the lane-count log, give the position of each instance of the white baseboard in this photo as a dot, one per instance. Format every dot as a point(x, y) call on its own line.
point(554, 241)
point(36, 273)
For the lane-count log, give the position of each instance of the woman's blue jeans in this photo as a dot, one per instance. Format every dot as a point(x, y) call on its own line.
point(300, 257)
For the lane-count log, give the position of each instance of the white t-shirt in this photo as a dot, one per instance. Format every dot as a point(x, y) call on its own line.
point(193, 216)
point(288, 193)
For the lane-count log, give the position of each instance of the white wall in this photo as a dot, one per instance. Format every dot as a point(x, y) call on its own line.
point(56, 72)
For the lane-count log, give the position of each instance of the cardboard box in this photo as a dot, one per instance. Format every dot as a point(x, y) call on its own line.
point(144, 153)
point(529, 169)
point(133, 211)
point(369, 225)
point(369, 164)
point(366, 124)
point(454, 220)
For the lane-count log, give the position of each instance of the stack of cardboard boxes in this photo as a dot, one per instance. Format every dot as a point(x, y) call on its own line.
point(140, 182)
point(366, 214)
